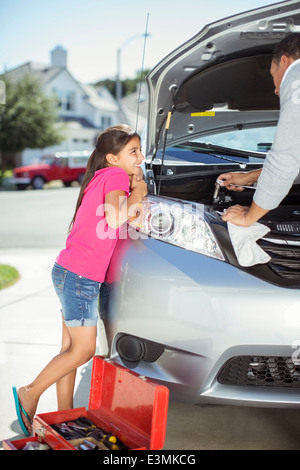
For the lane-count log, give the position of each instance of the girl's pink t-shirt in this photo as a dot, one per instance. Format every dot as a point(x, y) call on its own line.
point(90, 245)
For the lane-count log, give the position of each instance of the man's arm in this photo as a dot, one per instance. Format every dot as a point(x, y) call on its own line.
point(282, 163)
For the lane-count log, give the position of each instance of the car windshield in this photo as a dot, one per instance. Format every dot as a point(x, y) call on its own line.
point(251, 140)
point(47, 160)
point(239, 146)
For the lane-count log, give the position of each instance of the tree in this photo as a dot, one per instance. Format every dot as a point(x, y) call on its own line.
point(27, 119)
point(129, 85)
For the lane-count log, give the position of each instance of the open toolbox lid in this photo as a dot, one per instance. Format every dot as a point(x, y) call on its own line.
point(133, 405)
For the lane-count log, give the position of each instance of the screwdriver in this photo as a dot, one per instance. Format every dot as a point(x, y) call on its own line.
point(111, 442)
point(108, 440)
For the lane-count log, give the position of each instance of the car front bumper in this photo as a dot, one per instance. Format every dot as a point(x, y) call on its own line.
point(21, 180)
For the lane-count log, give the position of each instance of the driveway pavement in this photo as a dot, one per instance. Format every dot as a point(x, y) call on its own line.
point(30, 327)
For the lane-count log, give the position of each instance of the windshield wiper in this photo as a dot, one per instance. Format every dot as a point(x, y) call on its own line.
point(199, 146)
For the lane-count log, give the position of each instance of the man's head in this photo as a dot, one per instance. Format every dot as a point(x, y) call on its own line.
point(284, 54)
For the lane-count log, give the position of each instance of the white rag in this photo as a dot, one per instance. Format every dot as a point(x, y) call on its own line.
point(244, 239)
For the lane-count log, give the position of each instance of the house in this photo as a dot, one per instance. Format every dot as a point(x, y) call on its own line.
point(85, 110)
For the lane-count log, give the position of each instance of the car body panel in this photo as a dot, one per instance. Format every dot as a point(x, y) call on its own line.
point(65, 166)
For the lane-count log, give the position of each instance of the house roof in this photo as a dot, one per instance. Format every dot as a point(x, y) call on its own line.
point(97, 98)
point(41, 71)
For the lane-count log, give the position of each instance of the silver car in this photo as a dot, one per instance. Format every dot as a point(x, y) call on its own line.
point(183, 310)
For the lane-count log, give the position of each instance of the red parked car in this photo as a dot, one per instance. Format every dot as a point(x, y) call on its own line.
point(64, 166)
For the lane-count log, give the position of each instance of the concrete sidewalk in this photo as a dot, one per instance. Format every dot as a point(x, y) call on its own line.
point(30, 330)
point(30, 334)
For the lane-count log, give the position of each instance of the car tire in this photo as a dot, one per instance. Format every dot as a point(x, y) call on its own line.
point(38, 182)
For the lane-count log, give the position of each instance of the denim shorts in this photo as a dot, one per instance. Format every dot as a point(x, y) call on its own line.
point(78, 297)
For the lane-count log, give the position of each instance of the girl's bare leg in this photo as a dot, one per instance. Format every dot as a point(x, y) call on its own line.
point(83, 346)
point(65, 385)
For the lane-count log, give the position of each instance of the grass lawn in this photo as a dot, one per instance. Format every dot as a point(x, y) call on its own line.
point(8, 275)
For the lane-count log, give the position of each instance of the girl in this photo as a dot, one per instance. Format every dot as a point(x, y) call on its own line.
point(103, 205)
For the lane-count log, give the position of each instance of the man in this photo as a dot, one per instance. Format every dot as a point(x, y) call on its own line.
point(282, 164)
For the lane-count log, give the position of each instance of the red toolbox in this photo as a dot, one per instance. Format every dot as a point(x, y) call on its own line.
point(122, 403)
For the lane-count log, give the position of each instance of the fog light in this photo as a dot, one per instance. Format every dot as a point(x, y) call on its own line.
point(130, 349)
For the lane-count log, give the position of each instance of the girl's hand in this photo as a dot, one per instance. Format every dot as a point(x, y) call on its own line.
point(138, 191)
point(138, 175)
point(139, 172)
point(138, 186)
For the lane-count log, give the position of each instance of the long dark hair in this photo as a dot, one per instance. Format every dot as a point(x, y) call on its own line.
point(112, 140)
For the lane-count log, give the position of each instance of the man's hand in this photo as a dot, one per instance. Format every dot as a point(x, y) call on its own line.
point(244, 216)
point(236, 215)
point(238, 179)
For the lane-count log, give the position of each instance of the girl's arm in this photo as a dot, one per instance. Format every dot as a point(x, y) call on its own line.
point(118, 207)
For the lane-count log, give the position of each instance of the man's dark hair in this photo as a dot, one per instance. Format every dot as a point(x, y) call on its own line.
point(289, 46)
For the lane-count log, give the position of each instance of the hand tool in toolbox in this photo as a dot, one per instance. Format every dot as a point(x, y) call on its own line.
point(83, 431)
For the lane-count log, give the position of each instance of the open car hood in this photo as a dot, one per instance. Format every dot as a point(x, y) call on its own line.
point(220, 79)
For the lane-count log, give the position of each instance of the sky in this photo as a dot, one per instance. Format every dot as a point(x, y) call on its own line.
point(91, 31)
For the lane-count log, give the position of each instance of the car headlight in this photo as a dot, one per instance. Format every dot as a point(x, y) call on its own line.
point(177, 223)
point(21, 174)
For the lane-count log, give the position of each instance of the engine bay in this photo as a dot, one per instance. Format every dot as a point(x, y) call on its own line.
point(282, 243)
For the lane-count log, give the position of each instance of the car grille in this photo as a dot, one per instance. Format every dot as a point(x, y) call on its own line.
point(284, 250)
point(268, 371)
point(290, 227)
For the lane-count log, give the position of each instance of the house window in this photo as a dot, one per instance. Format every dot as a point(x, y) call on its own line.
point(105, 122)
point(78, 141)
point(65, 100)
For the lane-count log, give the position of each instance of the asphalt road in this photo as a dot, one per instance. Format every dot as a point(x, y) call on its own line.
point(40, 219)
point(36, 219)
